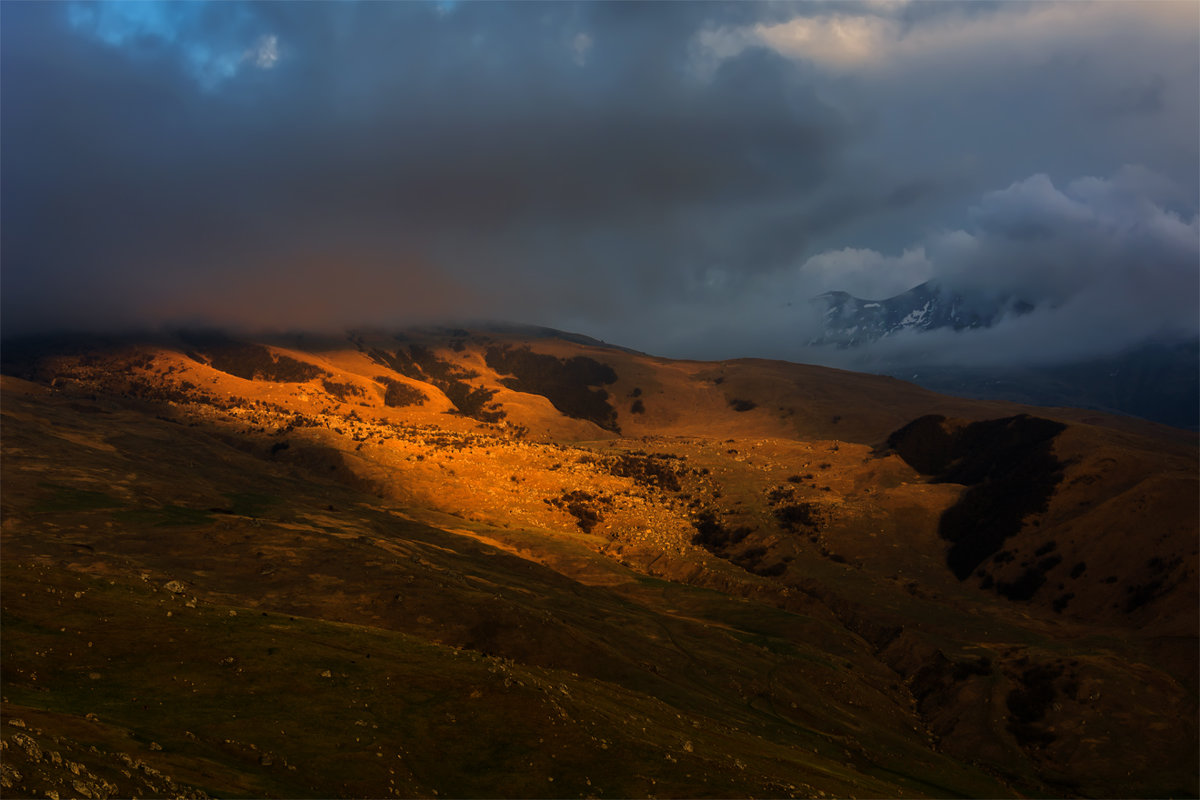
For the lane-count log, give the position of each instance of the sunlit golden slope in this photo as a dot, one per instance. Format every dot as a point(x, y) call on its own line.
point(899, 592)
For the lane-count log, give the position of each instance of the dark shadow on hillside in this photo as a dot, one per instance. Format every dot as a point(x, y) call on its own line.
point(420, 363)
point(572, 385)
point(247, 360)
point(1010, 470)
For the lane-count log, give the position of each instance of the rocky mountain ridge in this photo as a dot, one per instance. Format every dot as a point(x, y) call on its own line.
point(851, 321)
point(1155, 380)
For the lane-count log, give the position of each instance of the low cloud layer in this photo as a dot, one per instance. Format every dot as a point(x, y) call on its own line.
point(674, 177)
point(1106, 264)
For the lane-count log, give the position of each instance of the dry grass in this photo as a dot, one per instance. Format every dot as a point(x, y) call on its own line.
point(533, 602)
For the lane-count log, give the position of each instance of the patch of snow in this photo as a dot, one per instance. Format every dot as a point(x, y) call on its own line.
point(916, 317)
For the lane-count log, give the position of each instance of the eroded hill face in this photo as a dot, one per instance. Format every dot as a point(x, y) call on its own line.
point(593, 572)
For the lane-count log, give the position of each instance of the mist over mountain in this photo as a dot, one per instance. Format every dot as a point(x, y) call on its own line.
point(1154, 379)
point(851, 321)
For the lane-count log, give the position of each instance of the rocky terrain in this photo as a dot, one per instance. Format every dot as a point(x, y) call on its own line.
point(513, 563)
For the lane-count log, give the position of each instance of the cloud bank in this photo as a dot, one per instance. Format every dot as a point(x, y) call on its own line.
point(1106, 264)
point(666, 176)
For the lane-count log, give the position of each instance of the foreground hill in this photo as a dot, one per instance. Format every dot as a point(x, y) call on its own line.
point(485, 563)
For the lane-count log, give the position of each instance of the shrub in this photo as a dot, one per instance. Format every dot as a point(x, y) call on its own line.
point(797, 515)
point(585, 507)
point(341, 390)
point(652, 470)
point(713, 535)
point(779, 494)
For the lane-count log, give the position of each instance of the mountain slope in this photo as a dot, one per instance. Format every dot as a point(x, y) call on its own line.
point(654, 577)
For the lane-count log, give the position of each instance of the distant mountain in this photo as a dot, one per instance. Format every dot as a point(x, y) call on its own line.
point(851, 321)
point(1155, 381)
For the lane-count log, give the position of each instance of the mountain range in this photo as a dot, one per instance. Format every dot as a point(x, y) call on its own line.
point(514, 562)
point(1155, 380)
point(851, 321)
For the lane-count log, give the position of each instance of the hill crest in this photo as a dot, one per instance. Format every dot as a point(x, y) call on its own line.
point(796, 489)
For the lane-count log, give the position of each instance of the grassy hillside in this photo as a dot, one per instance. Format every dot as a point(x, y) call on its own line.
point(278, 579)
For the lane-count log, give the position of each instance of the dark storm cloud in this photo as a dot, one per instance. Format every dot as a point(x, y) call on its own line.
point(460, 160)
point(669, 176)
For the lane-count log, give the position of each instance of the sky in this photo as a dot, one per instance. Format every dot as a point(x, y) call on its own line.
point(678, 177)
